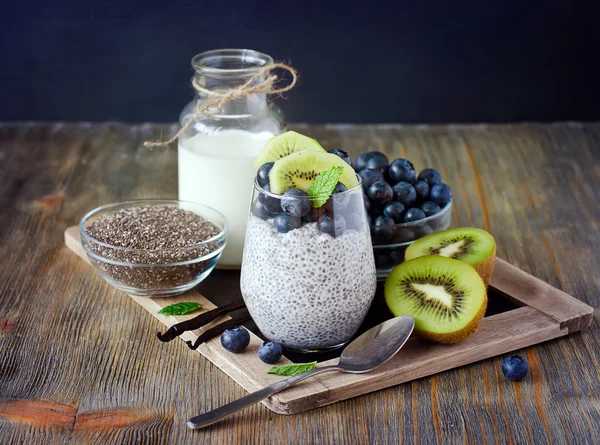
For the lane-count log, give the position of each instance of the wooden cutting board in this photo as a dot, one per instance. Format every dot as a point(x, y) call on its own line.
point(545, 313)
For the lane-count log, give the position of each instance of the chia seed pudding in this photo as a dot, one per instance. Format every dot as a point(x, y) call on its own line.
point(307, 289)
point(152, 249)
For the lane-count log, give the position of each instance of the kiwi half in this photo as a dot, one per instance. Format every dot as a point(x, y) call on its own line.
point(299, 169)
point(473, 246)
point(446, 297)
point(285, 144)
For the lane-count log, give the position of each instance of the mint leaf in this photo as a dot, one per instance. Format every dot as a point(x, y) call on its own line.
point(324, 184)
point(292, 369)
point(180, 308)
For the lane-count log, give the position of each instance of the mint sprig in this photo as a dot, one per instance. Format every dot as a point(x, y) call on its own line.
point(180, 308)
point(324, 184)
point(292, 369)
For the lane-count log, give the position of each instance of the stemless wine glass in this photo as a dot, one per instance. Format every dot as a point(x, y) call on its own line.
point(308, 274)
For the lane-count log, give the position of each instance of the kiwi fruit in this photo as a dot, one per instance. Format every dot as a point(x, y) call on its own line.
point(446, 297)
point(298, 170)
point(473, 246)
point(285, 144)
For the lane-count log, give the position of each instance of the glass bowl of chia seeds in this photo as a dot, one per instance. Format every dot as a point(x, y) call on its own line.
point(153, 247)
point(389, 246)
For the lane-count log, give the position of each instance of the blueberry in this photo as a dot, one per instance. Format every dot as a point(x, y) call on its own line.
point(430, 176)
point(380, 193)
point(440, 194)
point(379, 163)
point(515, 367)
point(339, 188)
point(401, 170)
point(384, 221)
point(414, 214)
point(235, 339)
point(314, 214)
point(383, 230)
point(262, 176)
point(308, 218)
point(403, 235)
point(338, 201)
point(360, 162)
point(269, 352)
point(405, 194)
point(376, 210)
point(422, 231)
point(369, 177)
point(394, 210)
point(333, 225)
point(285, 222)
point(295, 202)
point(259, 211)
point(422, 189)
point(342, 154)
point(430, 208)
point(270, 203)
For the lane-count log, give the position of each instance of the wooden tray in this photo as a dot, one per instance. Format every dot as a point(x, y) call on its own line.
point(545, 313)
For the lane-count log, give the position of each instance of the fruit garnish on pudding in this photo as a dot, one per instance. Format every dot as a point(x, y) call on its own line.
point(302, 184)
point(299, 170)
point(285, 144)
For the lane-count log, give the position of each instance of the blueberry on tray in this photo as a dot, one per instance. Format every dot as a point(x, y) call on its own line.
point(235, 339)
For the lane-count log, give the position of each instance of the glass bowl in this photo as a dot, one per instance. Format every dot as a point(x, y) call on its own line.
point(388, 255)
point(154, 272)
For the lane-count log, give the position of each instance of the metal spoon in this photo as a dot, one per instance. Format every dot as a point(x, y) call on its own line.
point(367, 352)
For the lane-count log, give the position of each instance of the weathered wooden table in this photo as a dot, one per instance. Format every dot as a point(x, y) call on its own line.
point(79, 361)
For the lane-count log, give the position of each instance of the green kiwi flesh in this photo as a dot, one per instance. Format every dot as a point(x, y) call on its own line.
point(298, 170)
point(446, 297)
point(285, 144)
point(473, 246)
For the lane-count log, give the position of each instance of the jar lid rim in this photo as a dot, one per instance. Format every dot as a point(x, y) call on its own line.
point(255, 60)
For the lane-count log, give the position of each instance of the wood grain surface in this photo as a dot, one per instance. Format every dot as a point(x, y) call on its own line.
point(75, 368)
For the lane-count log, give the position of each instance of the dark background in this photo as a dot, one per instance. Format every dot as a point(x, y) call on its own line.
point(404, 61)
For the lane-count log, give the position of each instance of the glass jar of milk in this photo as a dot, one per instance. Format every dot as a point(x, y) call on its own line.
point(216, 153)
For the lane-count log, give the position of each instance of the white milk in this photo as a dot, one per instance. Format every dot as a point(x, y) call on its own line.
point(217, 170)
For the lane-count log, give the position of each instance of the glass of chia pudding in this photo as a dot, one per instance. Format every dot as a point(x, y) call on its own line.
point(308, 274)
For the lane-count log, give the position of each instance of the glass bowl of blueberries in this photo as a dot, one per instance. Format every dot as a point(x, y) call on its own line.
point(402, 205)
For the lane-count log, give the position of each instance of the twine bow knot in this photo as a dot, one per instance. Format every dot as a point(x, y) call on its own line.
point(212, 106)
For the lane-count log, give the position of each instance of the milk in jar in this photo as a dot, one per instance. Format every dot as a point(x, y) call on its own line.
point(217, 170)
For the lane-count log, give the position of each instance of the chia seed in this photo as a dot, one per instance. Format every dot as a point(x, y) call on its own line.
point(150, 239)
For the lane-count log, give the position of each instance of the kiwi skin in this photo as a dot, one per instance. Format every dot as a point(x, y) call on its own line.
point(485, 269)
point(461, 335)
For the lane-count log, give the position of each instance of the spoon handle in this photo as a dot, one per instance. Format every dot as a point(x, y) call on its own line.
point(215, 415)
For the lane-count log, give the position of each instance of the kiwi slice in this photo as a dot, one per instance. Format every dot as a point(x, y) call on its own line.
point(474, 246)
point(285, 144)
point(299, 169)
point(446, 297)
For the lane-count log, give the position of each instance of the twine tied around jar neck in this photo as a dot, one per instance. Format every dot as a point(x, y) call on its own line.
point(212, 106)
